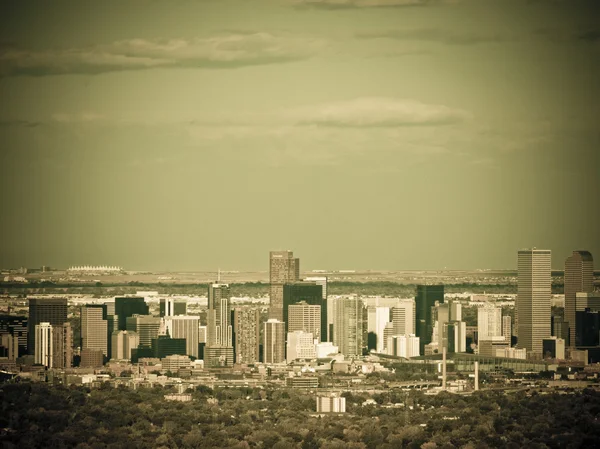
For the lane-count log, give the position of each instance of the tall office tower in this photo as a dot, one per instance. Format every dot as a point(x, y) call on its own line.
point(489, 321)
point(304, 317)
point(388, 331)
point(507, 328)
point(455, 333)
point(44, 310)
point(185, 326)
point(406, 346)
point(455, 310)
point(587, 319)
point(377, 319)
point(403, 317)
point(579, 277)
point(62, 346)
point(15, 326)
point(440, 314)
point(425, 299)
point(310, 293)
point(348, 326)
point(94, 327)
point(9, 346)
point(533, 298)
point(43, 345)
point(246, 331)
point(319, 280)
point(129, 306)
point(219, 315)
point(145, 326)
point(110, 307)
point(274, 341)
point(283, 269)
point(123, 342)
point(172, 307)
point(300, 345)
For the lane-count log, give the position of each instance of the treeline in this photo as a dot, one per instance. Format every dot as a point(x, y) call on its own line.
point(39, 415)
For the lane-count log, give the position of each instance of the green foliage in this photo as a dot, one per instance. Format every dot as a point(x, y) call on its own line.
point(39, 415)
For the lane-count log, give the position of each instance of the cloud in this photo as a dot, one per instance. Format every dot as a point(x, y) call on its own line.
point(352, 4)
point(377, 112)
point(221, 51)
point(435, 35)
point(19, 123)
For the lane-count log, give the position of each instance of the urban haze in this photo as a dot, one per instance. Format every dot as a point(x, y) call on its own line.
point(300, 224)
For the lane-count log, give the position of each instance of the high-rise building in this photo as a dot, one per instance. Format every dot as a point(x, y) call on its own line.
point(9, 346)
point(310, 293)
point(145, 326)
point(172, 307)
point(304, 317)
point(91, 358)
point(94, 327)
point(283, 269)
point(455, 333)
point(587, 319)
point(553, 348)
point(219, 316)
point(274, 341)
point(163, 346)
point(319, 280)
point(218, 357)
point(44, 350)
point(507, 328)
point(123, 343)
point(377, 319)
point(129, 306)
point(489, 321)
point(533, 298)
point(403, 317)
point(15, 326)
point(185, 326)
point(246, 331)
point(44, 310)
point(425, 299)
point(348, 326)
point(406, 346)
point(579, 277)
point(62, 346)
point(300, 345)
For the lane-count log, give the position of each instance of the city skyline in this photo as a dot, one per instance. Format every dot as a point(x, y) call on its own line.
point(379, 134)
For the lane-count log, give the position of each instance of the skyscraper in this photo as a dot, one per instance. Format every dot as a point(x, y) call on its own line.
point(489, 321)
point(425, 299)
point(348, 326)
point(62, 346)
point(246, 333)
point(145, 326)
point(533, 298)
point(304, 317)
point(219, 339)
point(579, 278)
point(283, 269)
point(310, 293)
point(377, 319)
point(507, 328)
point(172, 307)
point(403, 317)
point(274, 341)
point(123, 342)
point(94, 327)
point(129, 306)
point(44, 310)
point(44, 349)
point(185, 326)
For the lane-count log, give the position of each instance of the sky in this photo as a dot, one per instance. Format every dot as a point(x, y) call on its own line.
point(361, 134)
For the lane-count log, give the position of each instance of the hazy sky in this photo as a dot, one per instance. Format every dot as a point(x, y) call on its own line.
point(381, 134)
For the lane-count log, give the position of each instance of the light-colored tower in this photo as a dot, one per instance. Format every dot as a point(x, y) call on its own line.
point(146, 327)
point(348, 326)
point(377, 319)
point(44, 350)
point(283, 269)
point(122, 344)
point(300, 345)
point(246, 331)
point(489, 321)
point(579, 278)
point(533, 299)
point(219, 316)
point(304, 317)
point(185, 326)
point(507, 328)
point(274, 341)
point(94, 328)
point(403, 317)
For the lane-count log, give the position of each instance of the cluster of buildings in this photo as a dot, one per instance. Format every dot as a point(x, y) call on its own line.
point(305, 324)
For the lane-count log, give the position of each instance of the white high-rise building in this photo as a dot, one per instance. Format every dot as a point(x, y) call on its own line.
point(406, 346)
point(403, 317)
point(300, 345)
point(377, 318)
point(489, 321)
point(185, 326)
point(304, 317)
point(533, 298)
point(44, 353)
point(348, 326)
point(122, 344)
